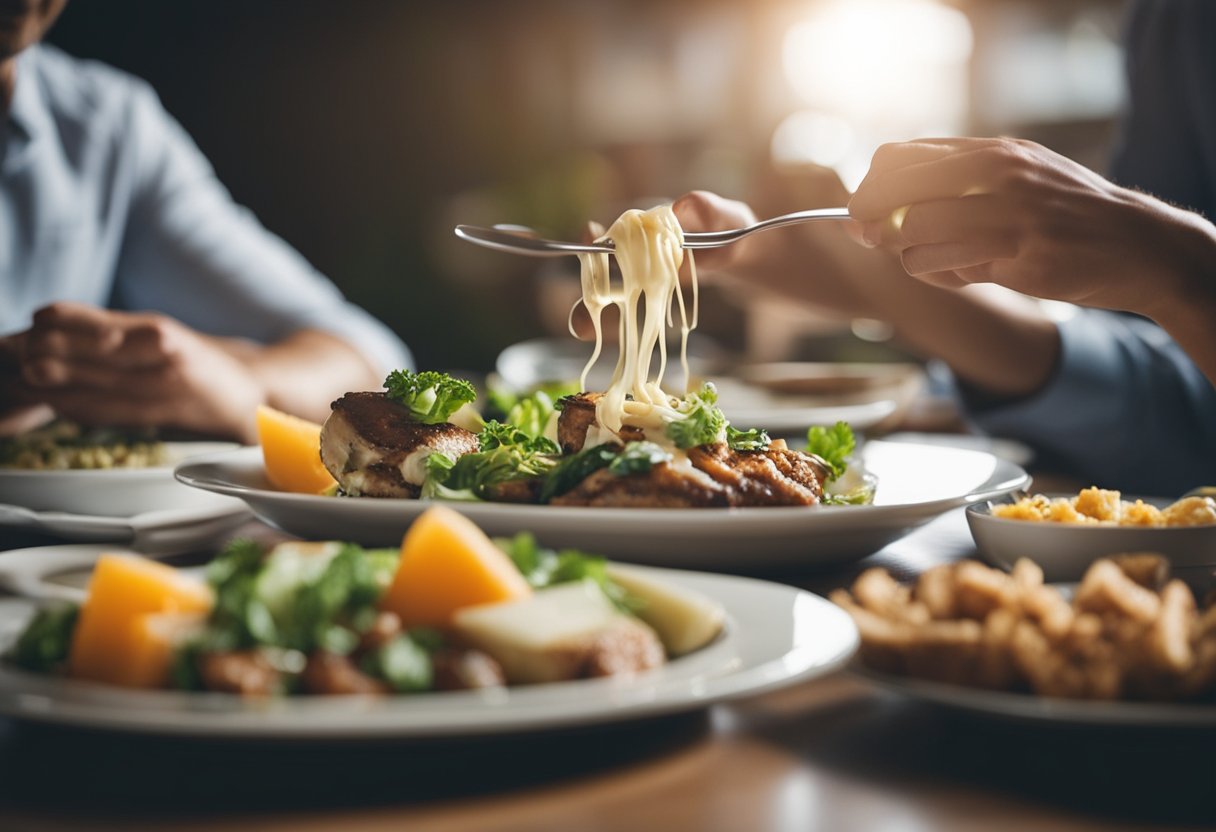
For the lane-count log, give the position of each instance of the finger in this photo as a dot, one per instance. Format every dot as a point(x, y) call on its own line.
point(49, 373)
point(705, 211)
point(19, 420)
point(129, 341)
point(88, 408)
point(939, 221)
point(953, 175)
point(942, 280)
point(941, 257)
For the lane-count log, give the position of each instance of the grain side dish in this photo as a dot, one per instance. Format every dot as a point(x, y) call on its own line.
point(1103, 507)
point(62, 446)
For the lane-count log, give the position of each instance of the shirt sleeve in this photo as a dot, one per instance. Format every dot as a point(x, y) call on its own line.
point(191, 252)
point(1159, 150)
point(1126, 408)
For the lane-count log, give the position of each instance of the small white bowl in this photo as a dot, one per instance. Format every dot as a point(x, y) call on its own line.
point(1064, 551)
point(111, 492)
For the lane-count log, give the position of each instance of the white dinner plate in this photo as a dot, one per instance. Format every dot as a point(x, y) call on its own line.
point(775, 636)
point(111, 492)
point(786, 398)
point(915, 484)
point(1026, 706)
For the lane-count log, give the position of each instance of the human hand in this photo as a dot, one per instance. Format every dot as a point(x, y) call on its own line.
point(97, 366)
point(1012, 212)
point(816, 264)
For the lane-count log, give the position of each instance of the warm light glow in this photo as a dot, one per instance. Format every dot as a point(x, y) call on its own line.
point(888, 69)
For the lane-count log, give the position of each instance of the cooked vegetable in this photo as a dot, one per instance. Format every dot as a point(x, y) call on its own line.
point(44, 644)
point(111, 643)
point(448, 563)
point(291, 449)
point(685, 620)
point(638, 458)
point(746, 440)
point(432, 397)
point(702, 422)
point(474, 476)
point(498, 434)
point(545, 567)
point(833, 445)
point(565, 632)
point(402, 662)
point(529, 411)
point(574, 468)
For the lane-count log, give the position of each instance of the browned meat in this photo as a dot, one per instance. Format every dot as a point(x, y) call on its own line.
point(247, 672)
point(664, 486)
point(717, 476)
point(525, 490)
point(577, 416)
point(623, 650)
point(374, 449)
point(385, 627)
point(773, 477)
point(330, 673)
point(459, 669)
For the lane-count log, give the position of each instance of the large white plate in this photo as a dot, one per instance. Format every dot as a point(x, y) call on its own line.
point(775, 636)
point(1025, 706)
point(915, 484)
point(110, 492)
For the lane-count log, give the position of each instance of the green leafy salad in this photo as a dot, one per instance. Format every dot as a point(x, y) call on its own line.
point(519, 459)
point(301, 618)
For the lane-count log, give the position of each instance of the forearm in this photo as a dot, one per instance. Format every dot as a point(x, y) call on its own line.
point(305, 372)
point(992, 339)
point(1187, 309)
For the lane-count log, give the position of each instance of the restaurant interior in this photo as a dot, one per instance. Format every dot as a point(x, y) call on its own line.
point(883, 643)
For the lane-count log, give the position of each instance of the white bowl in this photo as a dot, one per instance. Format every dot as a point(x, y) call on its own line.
point(1064, 551)
point(111, 492)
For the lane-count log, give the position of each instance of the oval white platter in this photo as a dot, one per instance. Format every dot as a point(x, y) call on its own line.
point(775, 636)
point(915, 484)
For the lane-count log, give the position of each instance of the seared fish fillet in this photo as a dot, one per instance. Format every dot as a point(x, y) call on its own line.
point(374, 449)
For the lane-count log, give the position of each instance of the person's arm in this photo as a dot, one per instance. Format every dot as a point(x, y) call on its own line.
point(962, 211)
point(191, 254)
point(999, 343)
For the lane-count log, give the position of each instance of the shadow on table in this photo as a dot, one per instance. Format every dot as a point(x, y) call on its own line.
point(1154, 776)
point(74, 771)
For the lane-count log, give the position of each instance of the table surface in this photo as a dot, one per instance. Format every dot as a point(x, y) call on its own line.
point(831, 754)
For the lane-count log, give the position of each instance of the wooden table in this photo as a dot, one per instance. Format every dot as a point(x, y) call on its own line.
point(833, 754)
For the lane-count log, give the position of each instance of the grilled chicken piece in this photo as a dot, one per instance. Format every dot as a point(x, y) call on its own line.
point(578, 416)
point(715, 476)
point(374, 449)
point(663, 486)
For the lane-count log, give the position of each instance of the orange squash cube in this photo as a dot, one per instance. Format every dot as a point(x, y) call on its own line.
point(291, 451)
point(448, 563)
point(118, 639)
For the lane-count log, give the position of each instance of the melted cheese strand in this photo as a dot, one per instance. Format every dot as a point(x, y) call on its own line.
point(649, 250)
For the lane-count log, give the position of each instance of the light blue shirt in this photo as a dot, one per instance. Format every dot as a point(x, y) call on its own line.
point(105, 200)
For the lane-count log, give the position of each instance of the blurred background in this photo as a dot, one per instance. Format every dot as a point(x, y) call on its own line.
point(363, 131)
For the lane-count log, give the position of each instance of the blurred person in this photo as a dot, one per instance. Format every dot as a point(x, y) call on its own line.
point(1105, 395)
point(135, 291)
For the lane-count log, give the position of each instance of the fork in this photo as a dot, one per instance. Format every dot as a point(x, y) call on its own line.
point(519, 239)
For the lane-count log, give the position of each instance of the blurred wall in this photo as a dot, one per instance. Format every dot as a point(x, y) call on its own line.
point(362, 131)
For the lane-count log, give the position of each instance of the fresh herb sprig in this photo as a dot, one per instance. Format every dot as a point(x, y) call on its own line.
point(833, 445)
point(432, 397)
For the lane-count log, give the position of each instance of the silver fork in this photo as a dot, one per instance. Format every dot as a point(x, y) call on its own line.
point(519, 239)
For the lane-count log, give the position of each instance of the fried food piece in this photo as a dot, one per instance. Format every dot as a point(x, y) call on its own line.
point(1148, 569)
point(1190, 511)
point(971, 625)
point(1105, 588)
